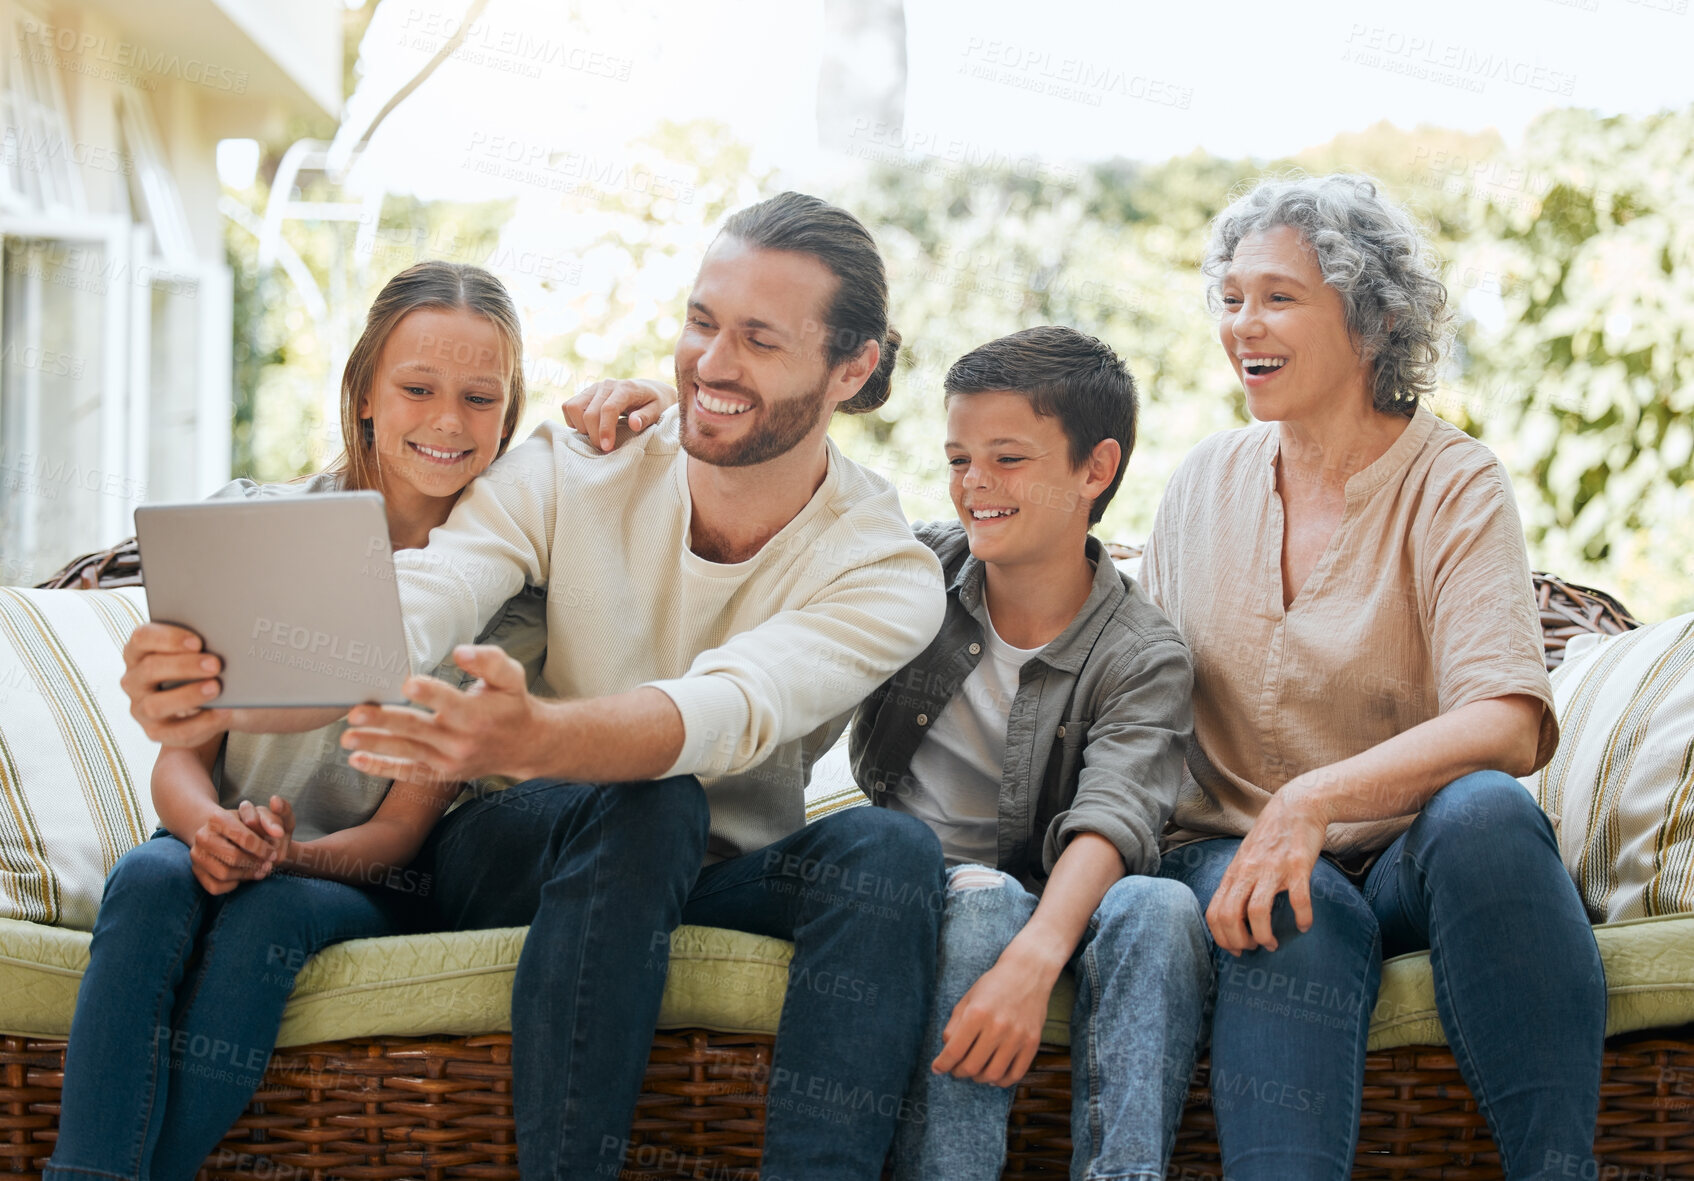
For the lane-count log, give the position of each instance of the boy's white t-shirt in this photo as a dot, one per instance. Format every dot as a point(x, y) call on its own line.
point(959, 765)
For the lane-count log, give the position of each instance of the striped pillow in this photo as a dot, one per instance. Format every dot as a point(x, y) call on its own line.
point(831, 787)
point(74, 766)
point(1620, 789)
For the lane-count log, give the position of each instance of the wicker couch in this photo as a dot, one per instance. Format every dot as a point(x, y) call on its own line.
point(383, 1074)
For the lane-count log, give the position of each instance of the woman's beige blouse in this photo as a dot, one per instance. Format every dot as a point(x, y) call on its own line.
point(1421, 604)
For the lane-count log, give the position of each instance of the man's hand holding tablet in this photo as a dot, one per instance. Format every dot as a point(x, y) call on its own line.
point(496, 727)
point(467, 733)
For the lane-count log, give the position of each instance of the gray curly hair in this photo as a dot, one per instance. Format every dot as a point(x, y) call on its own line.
point(1372, 253)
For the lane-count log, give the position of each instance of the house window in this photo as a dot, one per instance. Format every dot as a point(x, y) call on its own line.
point(38, 170)
point(64, 477)
point(114, 334)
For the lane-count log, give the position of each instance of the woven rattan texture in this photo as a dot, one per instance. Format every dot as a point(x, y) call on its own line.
point(1569, 610)
point(386, 1108)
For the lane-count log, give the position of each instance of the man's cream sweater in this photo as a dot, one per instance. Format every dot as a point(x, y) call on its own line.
point(764, 659)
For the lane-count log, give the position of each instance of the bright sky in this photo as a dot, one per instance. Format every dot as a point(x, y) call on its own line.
point(1059, 80)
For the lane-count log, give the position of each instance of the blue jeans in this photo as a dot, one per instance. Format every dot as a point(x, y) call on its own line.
point(1142, 977)
point(603, 874)
point(1519, 988)
point(178, 1010)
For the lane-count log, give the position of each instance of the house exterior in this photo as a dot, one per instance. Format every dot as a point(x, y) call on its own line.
point(115, 300)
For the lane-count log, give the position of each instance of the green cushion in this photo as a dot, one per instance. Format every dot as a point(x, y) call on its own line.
point(1649, 984)
point(460, 983)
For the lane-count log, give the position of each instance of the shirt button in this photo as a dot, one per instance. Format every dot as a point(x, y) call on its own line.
point(1061, 731)
point(923, 719)
point(975, 648)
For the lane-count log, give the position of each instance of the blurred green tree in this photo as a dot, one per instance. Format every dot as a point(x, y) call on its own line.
point(1570, 261)
point(1580, 367)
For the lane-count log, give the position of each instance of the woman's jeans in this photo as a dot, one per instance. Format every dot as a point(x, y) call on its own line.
point(1142, 976)
point(1518, 985)
point(179, 1008)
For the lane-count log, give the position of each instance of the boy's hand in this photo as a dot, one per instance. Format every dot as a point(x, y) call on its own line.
point(225, 852)
point(596, 410)
point(158, 653)
point(995, 1029)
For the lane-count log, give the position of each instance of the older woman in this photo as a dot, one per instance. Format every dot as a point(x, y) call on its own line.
point(1351, 577)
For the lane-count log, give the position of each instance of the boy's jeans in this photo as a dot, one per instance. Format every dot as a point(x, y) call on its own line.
point(1143, 972)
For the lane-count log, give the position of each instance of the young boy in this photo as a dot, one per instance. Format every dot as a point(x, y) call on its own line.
point(1041, 735)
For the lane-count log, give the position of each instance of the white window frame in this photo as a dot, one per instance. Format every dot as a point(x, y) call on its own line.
point(214, 295)
point(33, 98)
point(162, 204)
point(113, 235)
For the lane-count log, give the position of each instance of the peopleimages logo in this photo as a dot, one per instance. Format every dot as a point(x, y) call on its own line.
point(34, 150)
point(48, 41)
point(358, 662)
point(47, 361)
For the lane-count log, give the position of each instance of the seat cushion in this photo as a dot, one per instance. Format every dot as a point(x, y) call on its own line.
point(1649, 984)
point(460, 983)
point(74, 766)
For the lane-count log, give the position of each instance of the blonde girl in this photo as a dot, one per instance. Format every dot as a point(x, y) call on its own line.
point(203, 928)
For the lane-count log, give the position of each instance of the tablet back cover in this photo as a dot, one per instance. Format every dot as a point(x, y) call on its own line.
point(296, 594)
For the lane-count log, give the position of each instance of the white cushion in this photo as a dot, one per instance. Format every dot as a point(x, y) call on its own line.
point(1620, 790)
point(75, 768)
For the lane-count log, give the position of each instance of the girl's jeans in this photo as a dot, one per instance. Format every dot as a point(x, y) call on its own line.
point(179, 1008)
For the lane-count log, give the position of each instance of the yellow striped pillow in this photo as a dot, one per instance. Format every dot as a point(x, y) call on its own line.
point(1620, 790)
point(74, 766)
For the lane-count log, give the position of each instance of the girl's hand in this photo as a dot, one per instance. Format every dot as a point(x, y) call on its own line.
point(596, 410)
point(274, 825)
point(1277, 855)
point(995, 1029)
point(158, 653)
point(225, 852)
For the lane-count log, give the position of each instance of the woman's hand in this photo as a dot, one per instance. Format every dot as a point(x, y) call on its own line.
point(225, 852)
point(158, 653)
point(596, 410)
point(995, 1029)
point(1278, 854)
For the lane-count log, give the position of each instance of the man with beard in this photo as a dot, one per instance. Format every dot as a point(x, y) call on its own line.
point(722, 591)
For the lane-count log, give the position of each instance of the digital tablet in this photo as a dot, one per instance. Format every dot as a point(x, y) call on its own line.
point(295, 593)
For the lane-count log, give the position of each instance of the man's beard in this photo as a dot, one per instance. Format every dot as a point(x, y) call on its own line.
point(781, 427)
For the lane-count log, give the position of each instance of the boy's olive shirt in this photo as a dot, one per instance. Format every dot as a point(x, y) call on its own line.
point(1097, 731)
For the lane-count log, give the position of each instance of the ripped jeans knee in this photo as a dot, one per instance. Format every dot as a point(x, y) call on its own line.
point(962, 878)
